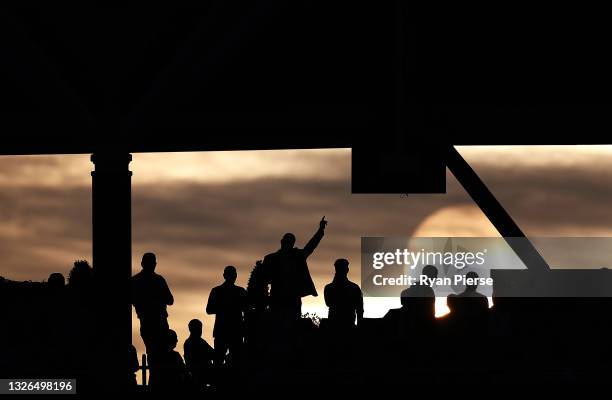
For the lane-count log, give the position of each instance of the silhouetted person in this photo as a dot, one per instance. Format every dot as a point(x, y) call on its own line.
point(150, 296)
point(448, 329)
point(199, 355)
point(56, 281)
point(344, 298)
point(415, 321)
point(170, 374)
point(345, 302)
point(56, 300)
point(82, 324)
point(420, 299)
point(54, 312)
point(288, 274)
point(471, 289)
point(472, 307)
point(470, 324)
point(228, 302)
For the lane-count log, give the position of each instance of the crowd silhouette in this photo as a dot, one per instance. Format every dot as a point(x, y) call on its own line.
point(262, 338)
point(260, 326)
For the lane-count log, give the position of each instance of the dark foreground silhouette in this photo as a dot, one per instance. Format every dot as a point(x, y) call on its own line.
point(228, 302)
point(50, 331)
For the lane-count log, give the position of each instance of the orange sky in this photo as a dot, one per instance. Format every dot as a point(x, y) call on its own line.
point(201, 211)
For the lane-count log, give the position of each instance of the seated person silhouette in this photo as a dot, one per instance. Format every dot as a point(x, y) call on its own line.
point(198, 354)
point(344, 298)
point(150, 296)
point(287, 272)
point(228, 302)
point(170, 374)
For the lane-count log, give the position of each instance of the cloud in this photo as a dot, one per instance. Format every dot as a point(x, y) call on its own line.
point(552, 199)
point(198, 222)
point(221, 167)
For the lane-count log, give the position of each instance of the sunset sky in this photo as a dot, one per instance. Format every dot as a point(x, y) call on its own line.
point(202, 211)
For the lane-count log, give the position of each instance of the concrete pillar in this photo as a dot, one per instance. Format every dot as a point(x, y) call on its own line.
point(112, 263)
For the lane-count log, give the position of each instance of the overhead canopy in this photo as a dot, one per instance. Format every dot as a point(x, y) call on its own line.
point(296, 74)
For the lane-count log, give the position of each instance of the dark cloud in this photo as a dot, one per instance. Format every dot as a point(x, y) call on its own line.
point(247, 213)
point(215, 224)
point(13, 165)
point(207, 226)
point(197, 228)
point(545, 199)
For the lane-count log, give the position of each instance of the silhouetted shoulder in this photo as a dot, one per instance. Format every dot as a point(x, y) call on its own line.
point(137, 276)
point(159, 278)
point(149, 277)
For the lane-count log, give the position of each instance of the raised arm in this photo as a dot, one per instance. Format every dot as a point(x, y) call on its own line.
point(314, 242)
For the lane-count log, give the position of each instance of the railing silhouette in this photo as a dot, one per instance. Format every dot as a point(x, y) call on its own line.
point(144, 367)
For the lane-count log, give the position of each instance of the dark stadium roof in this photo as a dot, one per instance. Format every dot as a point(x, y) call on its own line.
point(299, 74)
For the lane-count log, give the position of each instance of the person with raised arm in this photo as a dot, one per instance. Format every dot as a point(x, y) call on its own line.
point(287, 272)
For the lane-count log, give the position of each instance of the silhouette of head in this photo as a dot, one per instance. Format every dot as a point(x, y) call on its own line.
point(288, 241)
point(172, 339)
point(149, 262)
point(430, 271)
point(195, 327)
point(80, 274)
point(471, 276)
point(342, 267)
point(56, 281)
point(230, 274)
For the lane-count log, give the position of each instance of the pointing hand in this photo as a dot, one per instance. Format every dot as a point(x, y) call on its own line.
point(322, 223)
